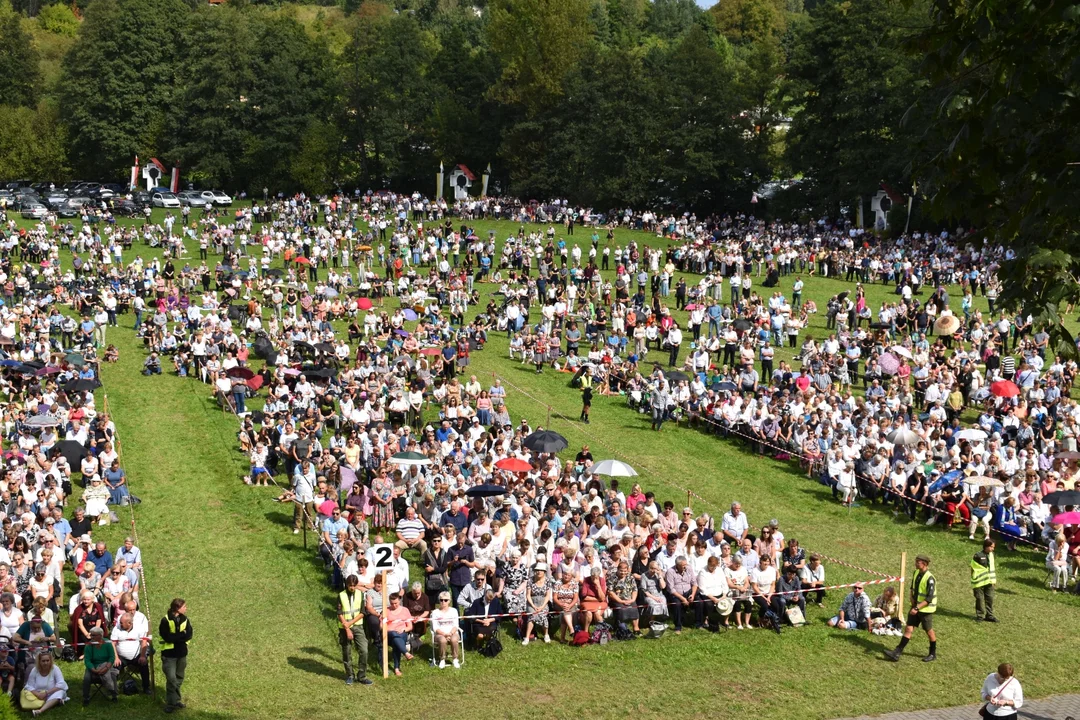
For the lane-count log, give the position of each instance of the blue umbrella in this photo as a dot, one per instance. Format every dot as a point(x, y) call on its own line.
point(409, 314)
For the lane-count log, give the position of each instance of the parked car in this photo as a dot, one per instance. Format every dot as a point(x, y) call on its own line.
point(33, 210)
point(54, 199)
point(72, 207)
point(126, 207)
point(195, 199)
point(164, 200)
point(220, 198)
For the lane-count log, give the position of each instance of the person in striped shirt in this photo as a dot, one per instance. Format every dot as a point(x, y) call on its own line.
point(410, 532)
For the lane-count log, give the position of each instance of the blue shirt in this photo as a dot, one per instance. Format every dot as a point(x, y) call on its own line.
point(62, 528)
point(331, 526)
point(102, 563)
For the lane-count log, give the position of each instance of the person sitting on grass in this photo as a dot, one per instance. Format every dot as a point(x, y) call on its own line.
point(152, 364)
point(854, 611)
point(45, 684)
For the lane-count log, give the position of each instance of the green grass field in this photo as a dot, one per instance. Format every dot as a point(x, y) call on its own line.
point(264, 616)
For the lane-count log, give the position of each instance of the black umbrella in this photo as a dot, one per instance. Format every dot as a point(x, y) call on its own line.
point(545, 441)
point(486, 490)
point(325, 347)
point(275, 272)
point(72, 450)
point(1061, 498)
point(742, 324)
point(843, 296)
point(41, 286)
point(325, 373)
point(83, 385)
point(880, 326)
point(676, 376)
point(725, 386)
point(257, 416)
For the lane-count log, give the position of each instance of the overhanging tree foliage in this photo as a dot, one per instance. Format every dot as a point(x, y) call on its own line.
point(1005, 144)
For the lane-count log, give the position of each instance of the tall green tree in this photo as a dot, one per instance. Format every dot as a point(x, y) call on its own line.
point(119, 82)
point(1004, 145)
point(32, 143)
point(210, 130)
point(19, 73)
point(388, 99)
point(538, 43)
point(852, 80)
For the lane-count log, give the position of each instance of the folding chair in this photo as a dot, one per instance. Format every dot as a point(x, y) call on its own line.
point(435, 646)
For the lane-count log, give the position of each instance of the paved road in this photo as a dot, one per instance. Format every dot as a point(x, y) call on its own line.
point(1058, 707)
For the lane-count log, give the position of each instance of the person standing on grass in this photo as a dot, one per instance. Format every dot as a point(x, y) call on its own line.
point(350, 615)
point(586, 396)
point(983, 582)
point(175, 632)
point(923, 606)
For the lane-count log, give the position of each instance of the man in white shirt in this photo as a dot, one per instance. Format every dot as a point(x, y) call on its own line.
point(734, 524)
point(131, 647)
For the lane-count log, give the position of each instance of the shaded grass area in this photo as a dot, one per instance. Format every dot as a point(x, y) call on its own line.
point(264, 618)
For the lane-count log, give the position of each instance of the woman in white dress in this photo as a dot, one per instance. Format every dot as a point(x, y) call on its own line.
point(46, 682)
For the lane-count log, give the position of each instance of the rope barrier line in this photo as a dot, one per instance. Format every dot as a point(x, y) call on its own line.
point(144, 595)
point(689, 492)
point(793, 453)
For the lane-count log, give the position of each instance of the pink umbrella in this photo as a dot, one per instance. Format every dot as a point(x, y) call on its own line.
point(889, 363)
point(364, 303)
point(692, 306)
point(1069, 518)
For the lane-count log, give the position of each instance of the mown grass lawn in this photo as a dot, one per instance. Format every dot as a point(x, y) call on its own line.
point(264, 617)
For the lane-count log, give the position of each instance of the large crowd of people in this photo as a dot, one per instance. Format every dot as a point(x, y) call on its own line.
point(63, 593)
point(355, 319)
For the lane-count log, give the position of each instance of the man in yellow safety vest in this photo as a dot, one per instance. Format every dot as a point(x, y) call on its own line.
point(923, 607)
point(350, 614)
point(983, 580)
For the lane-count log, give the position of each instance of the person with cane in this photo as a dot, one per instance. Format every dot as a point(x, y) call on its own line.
point(923, 606)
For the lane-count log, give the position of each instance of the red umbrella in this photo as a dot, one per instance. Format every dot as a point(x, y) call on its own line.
point(513, 465)
point(1004, 388)
point(364, 303)
point(1069, 518)
point(301, 260)
point(255, 383)
point(431, 351)
point(240, 372)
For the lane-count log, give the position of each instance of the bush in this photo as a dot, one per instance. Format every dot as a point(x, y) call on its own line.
point(7, 708)
point(59, 20)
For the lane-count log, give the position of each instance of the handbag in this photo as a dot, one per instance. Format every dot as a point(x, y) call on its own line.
point(984, 710)
point(29, 701)
point(795, 616)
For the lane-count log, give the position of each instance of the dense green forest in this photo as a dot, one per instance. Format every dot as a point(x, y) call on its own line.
point(605, 102)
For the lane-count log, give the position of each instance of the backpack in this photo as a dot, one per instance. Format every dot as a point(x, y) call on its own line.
point(130, 687)
point(580, 638)
point(622, 632)
point(601, 634)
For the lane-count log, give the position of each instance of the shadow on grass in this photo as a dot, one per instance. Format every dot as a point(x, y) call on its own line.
point(870, 644)
point(316, 667)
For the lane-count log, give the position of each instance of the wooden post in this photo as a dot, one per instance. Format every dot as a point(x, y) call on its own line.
point(549, 417)
point(385, 614)
point(903, 574)
point(306, 519)
point(688, 499)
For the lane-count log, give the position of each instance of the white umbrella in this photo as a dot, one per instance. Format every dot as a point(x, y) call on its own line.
point(984, 481)
point(971, 434)
point(614, 468)
point(903, 436)
point(409, 458)
point(901, 350)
